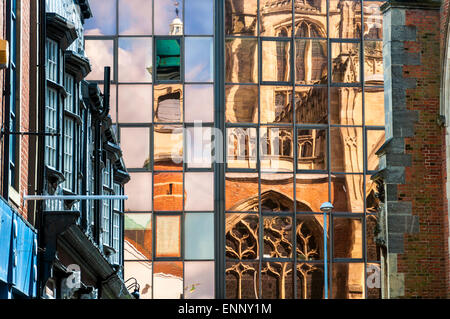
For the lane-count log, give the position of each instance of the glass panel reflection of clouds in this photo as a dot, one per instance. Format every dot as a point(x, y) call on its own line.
point(199, 17)
point(199, 236)
point(198, 147)
point(101, 54)
point(102, 22)
point(142, 271)
point(138, 236)
point(134, 17)
point(168, 280)
point(139, 192)
point(199, 103)
point(199, 280)
point(135, 103)
point(199, 191)
point(199, 59)
point(135, 59)
point(135, 145)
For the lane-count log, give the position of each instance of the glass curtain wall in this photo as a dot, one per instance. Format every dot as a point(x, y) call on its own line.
point(161, 54)
point(303, 115)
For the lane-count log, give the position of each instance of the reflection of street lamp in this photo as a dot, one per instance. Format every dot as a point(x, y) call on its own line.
point(326, 207)
point(134, 285)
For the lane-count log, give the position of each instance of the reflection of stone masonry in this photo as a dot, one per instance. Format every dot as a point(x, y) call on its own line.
point(277, 145)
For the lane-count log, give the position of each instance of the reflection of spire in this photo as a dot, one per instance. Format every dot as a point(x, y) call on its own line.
point(176, 27)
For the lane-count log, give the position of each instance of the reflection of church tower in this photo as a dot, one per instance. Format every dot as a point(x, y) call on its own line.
point(176, 27)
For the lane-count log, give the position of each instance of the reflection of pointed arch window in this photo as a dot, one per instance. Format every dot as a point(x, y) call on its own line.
point(282, 56)
point(310, 55)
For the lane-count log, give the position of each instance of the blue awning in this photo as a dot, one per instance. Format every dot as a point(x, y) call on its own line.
point(18, 252)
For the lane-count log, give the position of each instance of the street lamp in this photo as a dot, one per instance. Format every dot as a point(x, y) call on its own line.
point(326, 207)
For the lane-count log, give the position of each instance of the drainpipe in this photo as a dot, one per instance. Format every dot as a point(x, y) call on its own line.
point(100, 115)
point(42, 79)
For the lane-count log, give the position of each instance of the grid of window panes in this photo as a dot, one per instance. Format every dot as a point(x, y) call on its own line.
point(161, 54)
point(304, 116)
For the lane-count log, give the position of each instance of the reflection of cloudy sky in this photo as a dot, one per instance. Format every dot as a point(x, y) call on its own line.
point(199, 56)
point(100, 54)
point(135, 56)
point(135, 17)
point(135, 144)
point(103, 22)
point(139, 192)
point(199, 17)
point(135, 103)
point(164, 15)
point(199, 103)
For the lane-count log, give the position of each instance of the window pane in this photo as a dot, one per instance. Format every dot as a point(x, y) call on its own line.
point(276, 58)
point(277, 280)
point(139, 192)
point(304, 27)
point(372, 248)
point(311, 105)
point(346, 105)
point(241, 17)
point(312, 191)
point(199, 103)
point(135, 17)
point(312, 149)
point(135, 103)
point(168, 59)
point(168, 192)
point(142, 271)
point(242, 280)
point(346, 149)
point(346, 66)
point(168, 148)
point(311, 61)
point(167, 17)
point(100, 54)
point(168, 236)
point(373, 20)
point(199, 191)
point(347, 19)
point(199, 17)
point(199, 60)
point(277, 153)
point(198, 147)
point(241, 103)
point(275, 25)
point(241, 190)
point(199, 236)
point(168, 103)
point(373, 63)
point(138, 236)
point(241, 147)
point(310, 281)
point(278, 237)
point(276, 104)
point(374, 106)
point(347, 237)
point(309, 237)
point(242, 236)
point(241, 60)
point(348, 281)
point(103, 21)
point(168, 280)
point(277, 192)
point(348, 193)
point(199, 279)
point(373, 272)
point(135, 145)
point(375, 139)
point(135, 59)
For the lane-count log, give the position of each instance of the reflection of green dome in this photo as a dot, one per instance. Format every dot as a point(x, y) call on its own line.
point(168, 53)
